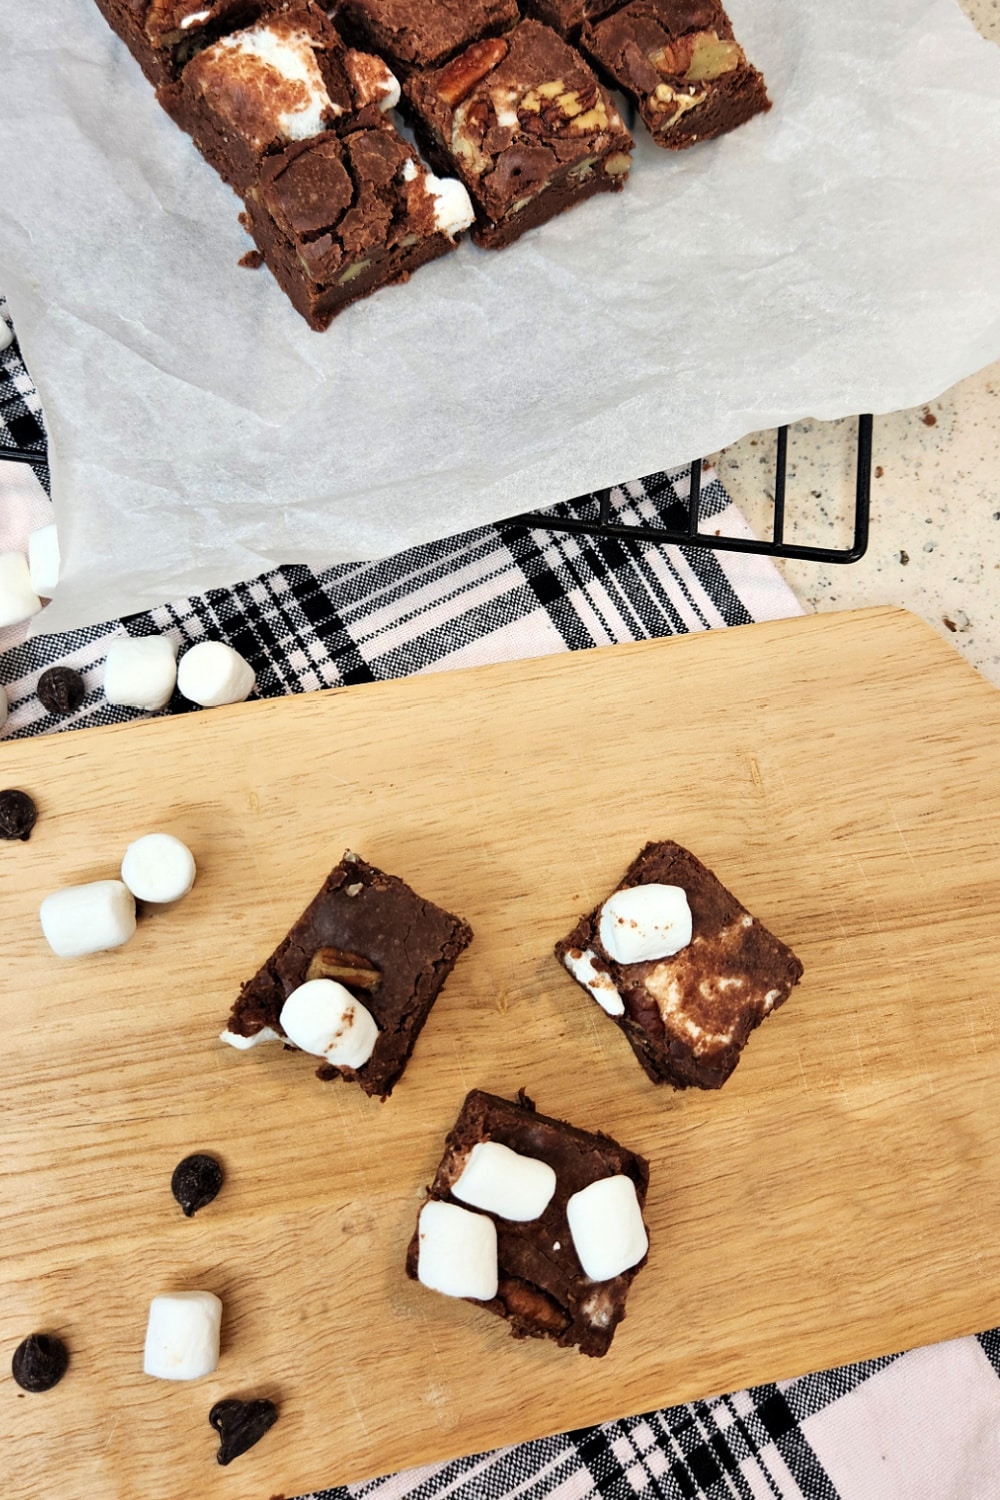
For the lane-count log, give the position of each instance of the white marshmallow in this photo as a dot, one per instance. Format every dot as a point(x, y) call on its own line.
point(505, 1183)
point(598, 981)
point(242, 1043)
point(605, 1221)
point(158, 868)
point(457, 1251)
point(182, 1335)
point(212, 673)
point(645, 922)
point(140, 671)
point(88, 918)
point(44, 560)
point(4, 707)
point(18, 600)
point(323, 1017)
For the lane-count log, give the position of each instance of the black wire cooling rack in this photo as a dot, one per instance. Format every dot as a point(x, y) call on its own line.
point(682, 520)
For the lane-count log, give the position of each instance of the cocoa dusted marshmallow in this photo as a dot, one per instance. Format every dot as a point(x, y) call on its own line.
point(158, 868)
point(457, 1251)
point(182, 1335)
point(18, 600)
point(605, 1221)
point(212, 673)
point(505, 1182)
point(645, 922)
point(323, 1018)
point(140, 672)
point(88, 918)
point(44, 560)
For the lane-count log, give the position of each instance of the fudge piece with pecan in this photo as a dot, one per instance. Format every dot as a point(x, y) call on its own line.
point(525, 124)
point(423, 33)
point(680, 63)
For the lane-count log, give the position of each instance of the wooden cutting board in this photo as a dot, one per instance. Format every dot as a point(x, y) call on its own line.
point(837, 1199)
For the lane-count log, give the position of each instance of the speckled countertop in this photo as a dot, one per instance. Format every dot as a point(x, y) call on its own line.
point(934, 546)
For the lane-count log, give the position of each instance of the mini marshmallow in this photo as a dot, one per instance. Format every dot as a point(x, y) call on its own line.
point(182, 1335)
point(43, 560)
point(324, 1018)
point(158, 868)
point(140, 671)
point(505, 1183)
point(18, 600)
point(605, 1221)
point(645, 922)
point(457, 1251)
point(212, 674)
point(242, 1043)
point(88, 918)
point(598, 981)
point(4, 707)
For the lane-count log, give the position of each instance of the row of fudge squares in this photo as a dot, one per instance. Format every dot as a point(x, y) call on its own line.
point(293, 111)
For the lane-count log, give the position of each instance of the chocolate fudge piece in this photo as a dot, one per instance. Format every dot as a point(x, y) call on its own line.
point(524, 123)
point(687, 1013)
point(542, 1288)
point(287, 78)
point(162, 35)
point(335, 219)
point(680, 64)
point(567, 16)
point(423, 33)
point(385, 944)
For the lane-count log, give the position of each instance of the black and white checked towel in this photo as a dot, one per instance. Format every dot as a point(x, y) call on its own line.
point(924, 1425)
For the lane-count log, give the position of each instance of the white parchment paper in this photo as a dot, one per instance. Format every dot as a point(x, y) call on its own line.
point(837, 255)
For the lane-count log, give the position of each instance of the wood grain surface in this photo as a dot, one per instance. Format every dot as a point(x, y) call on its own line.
point(837, 1199)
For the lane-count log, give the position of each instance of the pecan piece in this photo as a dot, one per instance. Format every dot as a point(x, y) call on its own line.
point(529, 1304)
point(348, 968)
point(462, 74)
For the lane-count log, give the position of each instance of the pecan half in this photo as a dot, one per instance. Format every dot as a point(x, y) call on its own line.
point(462, 74)
point(529, 1304)
point(349, 968)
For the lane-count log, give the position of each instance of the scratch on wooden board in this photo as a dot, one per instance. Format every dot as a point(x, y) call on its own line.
point(903, 840)
point(755, 775)
point(357, 1408)
point(113, 1429)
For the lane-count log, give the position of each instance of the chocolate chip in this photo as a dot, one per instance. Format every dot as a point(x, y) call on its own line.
point(61, 690)
point(240, 1424)
point(196, 1181)
point(39, 1362)
point(17, 814)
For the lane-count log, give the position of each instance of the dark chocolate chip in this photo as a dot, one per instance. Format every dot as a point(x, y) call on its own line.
point(240, 1424)
point(61, 690)
point(39, 1362)
point(17, 814)
point(196, 1181)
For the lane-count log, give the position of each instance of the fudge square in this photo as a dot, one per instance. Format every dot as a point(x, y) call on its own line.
point(680, 966)
point(355, 978)
point(567, 16)
point(336, 219)
point(524, 123)
point(423, 33)
point(536, 1220)
point(680, 64)
point(163, 34)
point(286, 78)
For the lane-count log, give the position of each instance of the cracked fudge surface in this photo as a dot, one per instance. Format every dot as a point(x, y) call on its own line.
point(423, 33)
point(543, 1291)
point(162, 35)
point(687, 1016)
point(567, 16)
point(680, 64)
point(388, 946)
point(524, 123)
point(336, 219)
point(286, 78)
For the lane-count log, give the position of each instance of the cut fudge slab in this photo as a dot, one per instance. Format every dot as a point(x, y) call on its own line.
point(423, 33)
point(524, 123)
point(680, 64)
point(162, 35)
point(680, 966)
point(372, 934)
point(567, 16)
point(558, 1199)
point(335, 219)
point(287, 78)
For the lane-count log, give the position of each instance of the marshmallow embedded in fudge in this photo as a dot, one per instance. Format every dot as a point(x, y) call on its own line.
point(323, 1018)
point(505, 1182)
point(88, 918)
point(140, 672)
point(457, 1251)
point(182, 1335)
point(605, 1221)
point(212, 673)
point(243, 1043)
point(18, 600)
point(43, 560)
point(645, 922)
point(453, 211)
point(158, 868)
point(597, 981)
